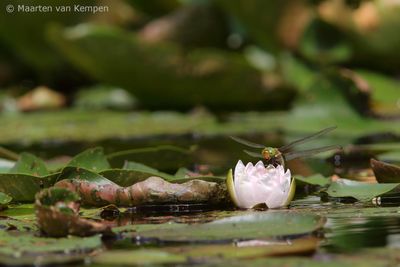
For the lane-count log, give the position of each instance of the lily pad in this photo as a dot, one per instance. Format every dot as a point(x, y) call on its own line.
point(254, 225)
point(92, 159)
point(359, 190)
point(25, 248)
point(316, 179)
point(4, 200)
point(26, 178)
point(30, 164)
point(23, 187)
point(385, 172)
point(161, 158)
point(208, 254)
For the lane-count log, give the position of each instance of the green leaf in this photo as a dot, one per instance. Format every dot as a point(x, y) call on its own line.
point(30, 164)
point(92, 159)
point(125, 178)
point(79, 173)
point(84, 46)
point(161, 158)
point(316, 179)
point(4, 200)
point(359, 190)
point(249, 225)
point(205, 253)
point(23, 187)
point(29, 249)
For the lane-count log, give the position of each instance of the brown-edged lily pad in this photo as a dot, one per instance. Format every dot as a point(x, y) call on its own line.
point(385, 172)
point(57, 214)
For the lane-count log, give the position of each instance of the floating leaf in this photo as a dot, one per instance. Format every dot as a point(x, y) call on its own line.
point(30, 164)
point(23, 187)
point(92, 159)
point(161, 158)
point(385, 172)
point(4, 200)
point(57, 214)
point(174, 255)
point(252, 225)
point(359, 190)
point(28, 249)
point(316, 179)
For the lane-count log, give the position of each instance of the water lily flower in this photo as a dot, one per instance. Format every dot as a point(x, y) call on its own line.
point(251, 185)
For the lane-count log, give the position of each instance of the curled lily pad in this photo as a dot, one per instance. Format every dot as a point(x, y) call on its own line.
point(57, 214)
point(385, 172)
point(97, 190)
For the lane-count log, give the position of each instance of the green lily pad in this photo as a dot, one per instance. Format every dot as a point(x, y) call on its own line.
point(30, 164)
point(207, 254)
point(92, 159)
point(316, 179)
point(23, 187)
point(246, 226)
point(125, 178)
point(359, 190)
point(161, 158)
point(26, 178)
point(24, 248)
point(4, 200)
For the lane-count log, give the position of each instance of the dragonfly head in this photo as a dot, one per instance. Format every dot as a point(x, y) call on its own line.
point(270, 153)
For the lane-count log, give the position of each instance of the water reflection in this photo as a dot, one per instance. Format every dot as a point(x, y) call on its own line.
point(349, 234)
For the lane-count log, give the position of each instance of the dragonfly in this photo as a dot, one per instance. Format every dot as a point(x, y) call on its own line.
point(285, 153)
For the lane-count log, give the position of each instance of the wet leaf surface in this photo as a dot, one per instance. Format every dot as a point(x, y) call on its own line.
point(91, 159)
point(209, 254)
point(244, 226)
point(4, 200)
point(359, 190)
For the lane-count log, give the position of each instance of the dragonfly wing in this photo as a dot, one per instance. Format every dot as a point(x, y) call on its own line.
point(247, 143)
point(307, 153)
point(253, 154)
point(306, 139)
